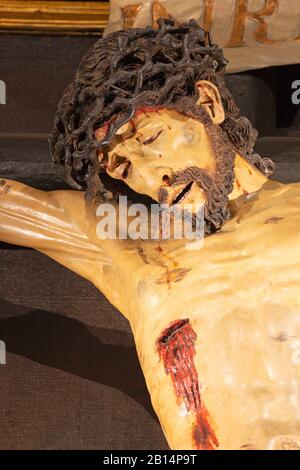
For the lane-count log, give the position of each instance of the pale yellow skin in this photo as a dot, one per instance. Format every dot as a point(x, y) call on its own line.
point(240, 291)
point(155, 144)
point(181, 142)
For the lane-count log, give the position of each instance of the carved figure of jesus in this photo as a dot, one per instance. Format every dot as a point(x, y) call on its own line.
point(215, 329)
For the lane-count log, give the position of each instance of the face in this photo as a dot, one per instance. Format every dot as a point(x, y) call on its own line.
point(153, 147)
point(157, 145)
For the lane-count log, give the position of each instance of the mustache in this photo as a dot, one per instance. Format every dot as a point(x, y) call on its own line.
point(189, 175)
point(216, 207)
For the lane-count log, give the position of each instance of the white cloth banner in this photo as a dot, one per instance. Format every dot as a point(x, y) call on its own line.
point(254, 33)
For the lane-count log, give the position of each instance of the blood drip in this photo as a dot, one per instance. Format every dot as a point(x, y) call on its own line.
point(101, 132)
point(176, 347)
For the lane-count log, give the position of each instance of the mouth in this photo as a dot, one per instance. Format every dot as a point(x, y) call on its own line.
point(190, 197)
point(179, 198)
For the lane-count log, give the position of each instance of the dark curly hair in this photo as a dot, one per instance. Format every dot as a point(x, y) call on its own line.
point(140, 67)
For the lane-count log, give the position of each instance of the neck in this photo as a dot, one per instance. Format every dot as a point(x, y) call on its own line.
point(247, 178)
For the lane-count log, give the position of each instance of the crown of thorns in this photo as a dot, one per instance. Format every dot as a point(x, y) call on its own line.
point(132, 68)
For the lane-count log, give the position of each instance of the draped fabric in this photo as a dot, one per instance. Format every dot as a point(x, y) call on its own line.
point(254, 33)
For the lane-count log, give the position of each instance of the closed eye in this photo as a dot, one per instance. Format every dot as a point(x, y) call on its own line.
point(151, 139)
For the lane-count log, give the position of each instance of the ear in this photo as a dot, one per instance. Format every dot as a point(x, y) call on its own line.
point(210, 99)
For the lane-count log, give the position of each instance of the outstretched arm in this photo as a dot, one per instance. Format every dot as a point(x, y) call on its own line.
point(54, 223)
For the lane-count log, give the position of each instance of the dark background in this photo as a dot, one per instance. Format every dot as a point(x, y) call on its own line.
point(72, 378)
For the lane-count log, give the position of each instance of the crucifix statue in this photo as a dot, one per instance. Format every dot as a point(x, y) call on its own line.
point(216, 329)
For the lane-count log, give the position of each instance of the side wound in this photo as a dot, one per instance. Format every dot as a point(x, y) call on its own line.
point(176, 348)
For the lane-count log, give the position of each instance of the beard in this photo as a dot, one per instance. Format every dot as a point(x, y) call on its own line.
point(216, 187)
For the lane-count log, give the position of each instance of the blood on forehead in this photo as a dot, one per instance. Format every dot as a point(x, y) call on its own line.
point(101, 132)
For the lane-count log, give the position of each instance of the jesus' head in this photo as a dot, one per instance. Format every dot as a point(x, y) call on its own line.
point(149, 108)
